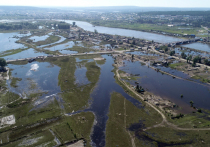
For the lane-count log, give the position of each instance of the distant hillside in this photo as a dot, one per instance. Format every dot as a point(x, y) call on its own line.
point(131, 9)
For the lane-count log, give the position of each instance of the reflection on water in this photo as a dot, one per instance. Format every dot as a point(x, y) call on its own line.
point(29, 53)
point(36, 77)
point(80, 76)
point(167, 87)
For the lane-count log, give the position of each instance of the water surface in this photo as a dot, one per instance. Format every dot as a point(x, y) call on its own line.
point(167, 87)
point(198, 46)
point(125, 32)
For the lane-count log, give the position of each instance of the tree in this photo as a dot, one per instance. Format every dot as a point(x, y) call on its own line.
point(132, 57)
point(206, 62)
point(172, 53)
point(189, 58)
point(183, 55)
point(191, 102)
point(3, 62)
point(95, 31)
point(165, 48)
point(74, 23)
point(196, 59)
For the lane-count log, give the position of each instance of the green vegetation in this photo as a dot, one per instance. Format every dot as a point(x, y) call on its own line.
point(175, 65)
point(183, 55)
point(164, 48)
point(14, 81)
point(76, 97)
point(80, 49)
point(172, 53)
point(11, 52)
point(50, 39)
point(100, 62)
point(3, 62)
point(146, 27)
point(75, 127)
point(202, 79)
point(121, 118)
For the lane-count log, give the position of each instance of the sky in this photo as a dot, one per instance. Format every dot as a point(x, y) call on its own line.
point(87, 3)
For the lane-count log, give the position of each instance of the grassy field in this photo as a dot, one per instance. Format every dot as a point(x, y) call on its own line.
point(36, 124)
point(11, 52)
point(80, 49)
point(122, 119)
point(75, 97)
point(148, 27)
point(175, 65)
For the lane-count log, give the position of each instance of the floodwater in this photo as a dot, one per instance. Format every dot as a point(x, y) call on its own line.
point(59, 41)
point(189, 52)
point(141, 53)
point(101, 101)
point(62, 48)
point(29, 53)
point(173, 72)
point(80, 76)
point(36, 77)
point(166, 87)
point(198, 46)
point(39, 38)
point(125, 32)
point(7, 42)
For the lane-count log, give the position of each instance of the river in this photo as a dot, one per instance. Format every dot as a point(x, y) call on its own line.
point(125, 32)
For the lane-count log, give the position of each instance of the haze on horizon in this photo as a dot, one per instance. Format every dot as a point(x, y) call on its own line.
point(86, 3)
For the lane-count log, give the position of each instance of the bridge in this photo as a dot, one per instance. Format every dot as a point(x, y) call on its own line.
point(63, 55)
point(184, 42)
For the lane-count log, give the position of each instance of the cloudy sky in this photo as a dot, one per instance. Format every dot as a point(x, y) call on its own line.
point(141, 3)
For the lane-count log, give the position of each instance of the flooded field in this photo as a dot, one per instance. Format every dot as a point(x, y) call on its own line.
point(167, 87)
point(190, 52)
point(36, 77)
point(29, 53)
point(61, 40)
point(39, 38)
point(199, 46)
point(7, 41)
point(63, 48)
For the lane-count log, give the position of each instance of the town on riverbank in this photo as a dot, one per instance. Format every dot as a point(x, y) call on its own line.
point(65, 84)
